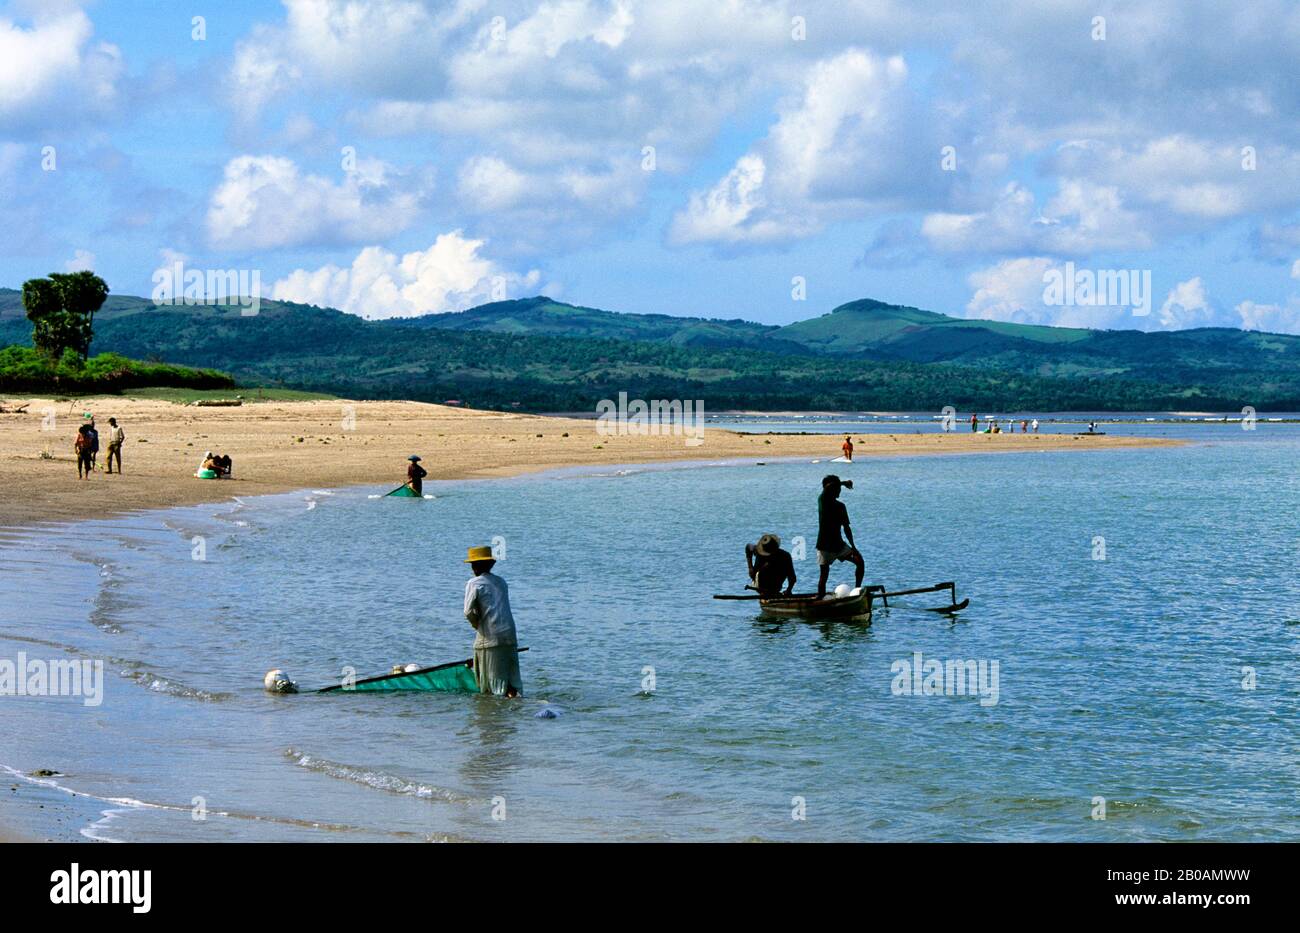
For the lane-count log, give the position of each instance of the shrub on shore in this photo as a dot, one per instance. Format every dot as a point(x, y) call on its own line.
point(23, 369)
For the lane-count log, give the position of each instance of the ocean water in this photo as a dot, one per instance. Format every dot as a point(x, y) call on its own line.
point(1158, 682)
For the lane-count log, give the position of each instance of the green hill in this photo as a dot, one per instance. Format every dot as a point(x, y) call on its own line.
point(538, 354)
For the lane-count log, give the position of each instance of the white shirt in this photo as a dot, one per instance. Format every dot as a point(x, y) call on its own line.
point(487, 607)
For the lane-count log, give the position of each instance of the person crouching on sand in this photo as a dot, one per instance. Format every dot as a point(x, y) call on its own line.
point(496, 647)
point(81, 447)
point(832, 516)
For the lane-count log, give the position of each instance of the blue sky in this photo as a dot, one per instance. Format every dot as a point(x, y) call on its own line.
point(395, 157)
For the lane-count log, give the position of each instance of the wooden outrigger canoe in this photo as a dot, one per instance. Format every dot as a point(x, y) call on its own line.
point(809, 606)
point(847, 607)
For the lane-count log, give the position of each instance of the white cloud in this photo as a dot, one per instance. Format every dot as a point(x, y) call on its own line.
point(1276, 319)
point(53, 69)
point(729, 212)
point(1017, 290)
point(82, 260)
point(1295, 269)
point(265, 202)
point(1187, 305)
point(844, 148)
point(1080, 218)
point(491, 184)
point(450, 275)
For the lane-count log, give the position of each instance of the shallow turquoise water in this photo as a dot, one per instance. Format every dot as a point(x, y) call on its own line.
point(1118, 678)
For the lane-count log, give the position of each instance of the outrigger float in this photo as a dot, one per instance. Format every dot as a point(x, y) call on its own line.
point(855, 606)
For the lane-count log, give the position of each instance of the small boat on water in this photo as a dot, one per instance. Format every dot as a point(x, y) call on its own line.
point(833, 607)
point(854, 606)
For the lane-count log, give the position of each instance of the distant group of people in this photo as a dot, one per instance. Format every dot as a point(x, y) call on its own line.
point(1026, 426)
point(771, 567)
point(221, 464)
point(86, 447)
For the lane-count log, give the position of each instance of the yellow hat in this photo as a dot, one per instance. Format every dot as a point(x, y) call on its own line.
point(479, 553)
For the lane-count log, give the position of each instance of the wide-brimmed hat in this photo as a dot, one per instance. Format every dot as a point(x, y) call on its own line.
point(767, 544)
point(477, 554)
point(413, 458)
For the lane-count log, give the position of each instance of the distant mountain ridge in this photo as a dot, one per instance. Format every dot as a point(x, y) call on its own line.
point(875, 330)
point(546, 354)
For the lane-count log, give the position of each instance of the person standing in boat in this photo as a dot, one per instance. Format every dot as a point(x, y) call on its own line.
point(415, 475)
point(496, 646)
point(770, 566)
point(832, 517)
point(847, 447)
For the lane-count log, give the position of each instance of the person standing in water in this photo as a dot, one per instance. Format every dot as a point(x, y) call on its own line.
point(832, 517)
point(496, 646)
point(847, 447)
point(415, 475)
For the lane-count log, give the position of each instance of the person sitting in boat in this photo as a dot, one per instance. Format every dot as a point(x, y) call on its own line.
point(415, 475)
point(770, 566)
point(847, 447)
point(496, 646)
point(832, 517)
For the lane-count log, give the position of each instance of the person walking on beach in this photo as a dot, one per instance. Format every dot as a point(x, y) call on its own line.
point(415, 475)
point(832, 517)
point(496, 646)
point(847, 447)
point(94, 441)
point(81, 447)
point(974, 422)
point(115, 438)
point(770, 566)
point(1035, 425)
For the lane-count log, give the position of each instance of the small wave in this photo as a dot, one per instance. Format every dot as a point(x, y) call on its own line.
point(159, 684)
point(379, 780)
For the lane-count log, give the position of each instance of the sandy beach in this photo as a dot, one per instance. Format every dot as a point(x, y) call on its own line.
point(279, 446)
